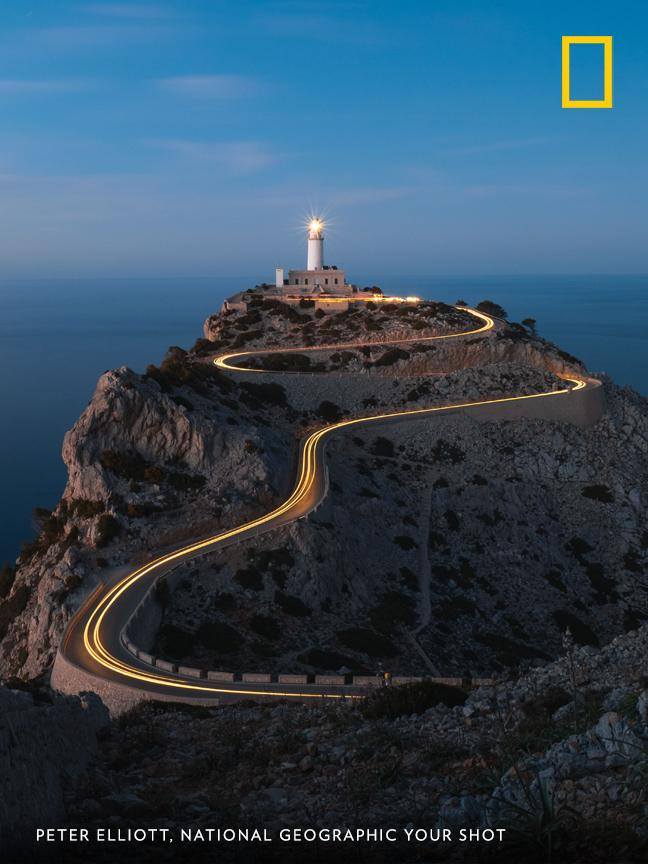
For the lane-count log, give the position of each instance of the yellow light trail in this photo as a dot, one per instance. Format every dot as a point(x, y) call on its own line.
point(224, 361)
point(311, 449)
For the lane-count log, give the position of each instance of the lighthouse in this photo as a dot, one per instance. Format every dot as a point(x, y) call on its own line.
point(315, 260)
point(317, 278)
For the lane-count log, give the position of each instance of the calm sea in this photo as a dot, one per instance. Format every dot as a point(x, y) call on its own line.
point(57, 337)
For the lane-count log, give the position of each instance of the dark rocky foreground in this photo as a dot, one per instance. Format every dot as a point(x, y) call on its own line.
point(558, 757)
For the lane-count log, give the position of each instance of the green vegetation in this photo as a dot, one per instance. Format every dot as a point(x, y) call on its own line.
point(327, 661)
point(174, 642)
point(291, 605)
point(415, 698)
point(203, 347)
point(393, 611)
point(383, 447)
point(409, 578)
point(453, 607)
point(290, 362)
point(507, 651)
point(180, 369)
point(249, 578)
point(405, 542)
point(219, 637)
point(107, 529)
point(368, 641)
point(7, 576)
point(553, 577)
point(84, 508)
point(135, 510)
point(391, 356)
point(182, 482)
point(265, 626)
point(598, 492)
point(11, 607)
point(489, 307)
point(130, 466)
point(273, 562)
point(258, 396)
point(446, 451)
point(50, 529)
point(329, 411)
point(582, 633)
point(530, 324)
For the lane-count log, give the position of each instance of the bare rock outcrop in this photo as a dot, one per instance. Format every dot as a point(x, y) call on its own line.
point(38, 761)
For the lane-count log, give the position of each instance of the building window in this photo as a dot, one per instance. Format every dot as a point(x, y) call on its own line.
point(326, 281)
point(336, 281)
point(305, 281)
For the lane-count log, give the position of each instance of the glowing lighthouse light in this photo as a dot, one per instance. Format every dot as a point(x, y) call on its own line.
point(315, 244)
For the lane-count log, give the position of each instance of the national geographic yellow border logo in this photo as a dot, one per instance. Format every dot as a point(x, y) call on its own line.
point(606, 101)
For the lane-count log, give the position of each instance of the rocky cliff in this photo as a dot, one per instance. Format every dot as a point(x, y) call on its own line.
point(431, 534)
point(38, 765)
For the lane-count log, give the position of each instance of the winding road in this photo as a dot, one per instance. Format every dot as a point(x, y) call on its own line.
point(94, 644)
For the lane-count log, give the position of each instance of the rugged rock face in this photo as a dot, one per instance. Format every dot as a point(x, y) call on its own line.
point(444, 546)
point(153, 459)
point(408, 564)
point(38, 763)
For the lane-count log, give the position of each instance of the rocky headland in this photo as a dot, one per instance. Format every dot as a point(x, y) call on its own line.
point(509, 549)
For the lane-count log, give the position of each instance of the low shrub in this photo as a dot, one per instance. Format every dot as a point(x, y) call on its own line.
point(186, 482)
point(84, 508)
point(219, 637)
point(174, 642)
point(328, 661)
point(405, 542)
point(415, 698)
point(258, 395)
point(491, 308)
point(393, 611)
point(7, 575)
point(392, 355)
point(249, 578)
point(136, 510)
point(107, 529)
point(446, 451)
point(383, 447)
point(507, 651)
point(11, 607)
point(329, 411)
point(128, 465)
point(598, 492)
point(265, 626)
point(291, 605)
point(582, 633)
point(368, 641)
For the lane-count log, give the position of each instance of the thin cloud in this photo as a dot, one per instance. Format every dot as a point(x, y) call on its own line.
point(211, 86)
point(499, 146)
point(369, 195)
point(83, 38)
point(19, 86)
point(237, 157)
point(546, 190)
point(126, 10)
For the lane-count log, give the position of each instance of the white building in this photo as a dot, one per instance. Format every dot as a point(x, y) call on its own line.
point(318, 277)
point(325, 284)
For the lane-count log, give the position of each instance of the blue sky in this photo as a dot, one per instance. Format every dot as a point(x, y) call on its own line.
point(191, 138)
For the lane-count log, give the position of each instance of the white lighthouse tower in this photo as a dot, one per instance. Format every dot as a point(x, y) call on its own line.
point(315, 259)
point(318, 278)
